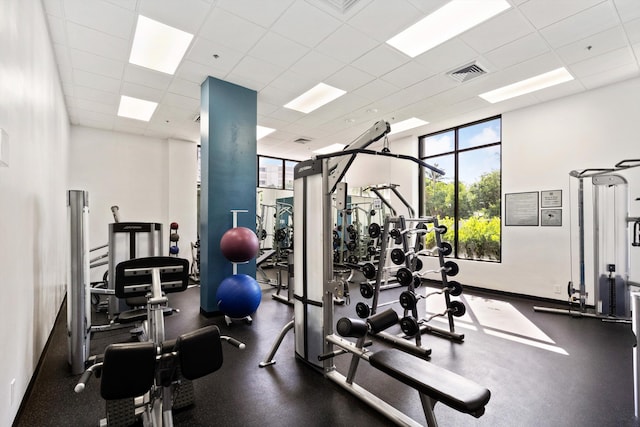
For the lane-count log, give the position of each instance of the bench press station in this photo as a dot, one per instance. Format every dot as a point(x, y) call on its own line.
point(149, 379)
point(434, 384)
point(316, 182)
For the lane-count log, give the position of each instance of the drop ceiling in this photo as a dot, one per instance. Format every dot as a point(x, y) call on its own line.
point(281, 48)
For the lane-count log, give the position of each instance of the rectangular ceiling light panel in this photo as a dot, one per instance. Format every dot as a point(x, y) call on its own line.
point(262, 131)
point(158, 46)
point(552, 78)
point(452, 19)
point(411, 123)
point(134, 108)
point(315, 97)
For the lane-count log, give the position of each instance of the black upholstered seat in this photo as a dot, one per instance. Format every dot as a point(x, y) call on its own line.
point(438, 383)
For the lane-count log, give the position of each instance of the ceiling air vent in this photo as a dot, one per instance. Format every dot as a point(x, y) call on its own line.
point(468, 72)
point(302, 140)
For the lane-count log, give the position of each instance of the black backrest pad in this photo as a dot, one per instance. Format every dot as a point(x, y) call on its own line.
point(128, 370)
point(438, 383)
point(200, 352)
point(125, 284)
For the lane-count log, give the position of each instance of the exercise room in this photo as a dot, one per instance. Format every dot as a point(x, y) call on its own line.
point(320, 212)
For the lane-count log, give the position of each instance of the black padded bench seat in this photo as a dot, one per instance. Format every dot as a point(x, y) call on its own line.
point(439, 384)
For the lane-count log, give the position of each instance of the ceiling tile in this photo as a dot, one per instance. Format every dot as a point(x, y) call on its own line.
point(142, 92)
point(263, 13)
point(187, 103)
point(279, 50)
point(216, 56)
point(257, 70)
point(380, 60)
point(517, 51)
point(406, 75)
point(543, 13)
point(316, 66)
point(594, 45)
point(376, 89)
point(346, 44)
point(349, 78)
point(101, 16)
point(274, 95)
point(611, 76)
point(96, 64)
point(601, 63)
point(91, 94)
point(581, 25)
point(382, 20)
point(627, 9)
point(95, 81)
point(185, 88)
point(197, 73)
point(183, 15)
point(305, 24)
point(146, 77)
point(632, 29)
point(98, 107)
point(229, 30)
point(98, 43)
point(498, 31)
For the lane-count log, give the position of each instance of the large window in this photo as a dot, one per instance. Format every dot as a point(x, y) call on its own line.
point(274, 172)
point(467, 197)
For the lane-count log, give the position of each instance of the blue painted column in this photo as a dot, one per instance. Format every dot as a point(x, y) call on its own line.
point(228, 119)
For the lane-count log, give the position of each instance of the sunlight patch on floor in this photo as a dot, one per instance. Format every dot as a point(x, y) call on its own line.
point(496, 318)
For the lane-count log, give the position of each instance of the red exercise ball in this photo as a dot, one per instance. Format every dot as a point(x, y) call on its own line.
point(239, 244)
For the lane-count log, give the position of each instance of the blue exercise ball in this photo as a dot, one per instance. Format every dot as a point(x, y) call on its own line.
point(239, 296)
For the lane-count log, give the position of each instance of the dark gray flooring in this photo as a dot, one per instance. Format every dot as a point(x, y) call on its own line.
point(591, 386)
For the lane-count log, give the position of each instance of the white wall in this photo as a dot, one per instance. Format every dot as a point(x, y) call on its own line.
point(149, 179)
point(540, 145)
point(33, 197)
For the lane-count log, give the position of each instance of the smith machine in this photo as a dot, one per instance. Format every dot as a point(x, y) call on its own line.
point(315, 182)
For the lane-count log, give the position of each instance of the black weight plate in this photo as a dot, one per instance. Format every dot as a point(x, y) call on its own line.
point(451, 268)
point(457, 308)
point(374, 230)
point(404, 276)
point(446, 248)
point(408, 300)
point(409, 326)
point(366, 290)
point(455, 288)
point(397, 256)
point(369, 270)
point(418, 264)
point(362, 310)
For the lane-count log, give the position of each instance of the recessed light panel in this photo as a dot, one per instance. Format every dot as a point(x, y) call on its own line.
point(411, 123)
point(552, 78)
point(262, 131)
point(452, 19)
point(134, 108)
point(315, 97)
point(330, 149)
point(158, 46)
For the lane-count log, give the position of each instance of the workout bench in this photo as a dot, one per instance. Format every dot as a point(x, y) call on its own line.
point(434, 384)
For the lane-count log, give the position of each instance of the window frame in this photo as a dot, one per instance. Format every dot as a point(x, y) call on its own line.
point(284, 161)
point(456, 154)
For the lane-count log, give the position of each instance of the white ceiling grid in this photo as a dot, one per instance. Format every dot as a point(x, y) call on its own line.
point(281, 48)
